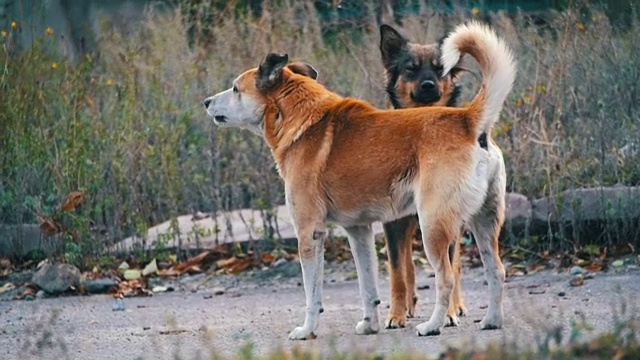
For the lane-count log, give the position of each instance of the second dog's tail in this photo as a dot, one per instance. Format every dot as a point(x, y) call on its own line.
point(497, 66)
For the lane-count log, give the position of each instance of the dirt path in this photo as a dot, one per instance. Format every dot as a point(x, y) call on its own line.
point(194, 324)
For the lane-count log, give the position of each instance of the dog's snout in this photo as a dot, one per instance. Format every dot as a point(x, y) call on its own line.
point(206, 102)
point(427, 85)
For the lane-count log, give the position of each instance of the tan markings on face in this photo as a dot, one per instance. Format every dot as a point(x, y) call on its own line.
point(446, 87)
point(403, 93)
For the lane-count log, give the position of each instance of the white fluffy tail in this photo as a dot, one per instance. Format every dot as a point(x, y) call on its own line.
point(496, 62)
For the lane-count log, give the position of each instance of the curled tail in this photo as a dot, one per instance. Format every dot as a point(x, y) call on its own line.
point(497, 66)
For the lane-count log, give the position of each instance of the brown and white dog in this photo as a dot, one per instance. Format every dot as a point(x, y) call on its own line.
point(345, 162)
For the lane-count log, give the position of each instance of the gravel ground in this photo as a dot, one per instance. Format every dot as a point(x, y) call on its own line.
point(256, 311)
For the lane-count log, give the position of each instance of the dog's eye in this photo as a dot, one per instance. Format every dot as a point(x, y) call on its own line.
point(235, 89)
point(412, 68)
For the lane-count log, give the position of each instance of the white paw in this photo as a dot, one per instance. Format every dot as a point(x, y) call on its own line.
point(428, 329)
point(300, 333)
point(366, 327)
point(491, 322)
point(452, 321)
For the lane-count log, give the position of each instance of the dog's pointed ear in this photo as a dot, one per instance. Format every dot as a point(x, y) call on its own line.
point(303, 69)
point(270, 70)
point(392, 44)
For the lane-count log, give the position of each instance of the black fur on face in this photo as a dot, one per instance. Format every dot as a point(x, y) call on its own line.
point(414, 72)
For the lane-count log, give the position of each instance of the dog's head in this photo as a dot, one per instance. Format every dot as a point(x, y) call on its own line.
point(245, 104)
point(414, 72)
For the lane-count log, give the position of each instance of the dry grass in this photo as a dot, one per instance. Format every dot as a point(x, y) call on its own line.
point(127, 127)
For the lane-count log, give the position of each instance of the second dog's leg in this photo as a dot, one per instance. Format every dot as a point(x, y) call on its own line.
point(364, 253)
point(399, 235)
point(410, 273)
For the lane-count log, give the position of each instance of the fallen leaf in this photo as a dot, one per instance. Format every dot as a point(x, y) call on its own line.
point(7, 287)
point(593, 267)
point(240, 266)
point(226, 262)
point(123, 266)
point(169, 272)
point(192, 261)
point(267, 258)
point(48, 226)
point(132, 274)
point(73, 200)
point(151, 268)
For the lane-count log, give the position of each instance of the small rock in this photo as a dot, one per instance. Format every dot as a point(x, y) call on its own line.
point(146, 328)
point(576, 270)
point(99, 286)
point(162, 265)
point(279, 262)
point(10, 294)
point(118, 306)
point(218, 291)
point(577, 280)
point(562, 293)
point(589, 276)
point(20, 278)
point(123, 266)
point(617, 263)
point(41, 294)
point(56, 279)
point(29, 297)
point(207, 296)
point(160, 289)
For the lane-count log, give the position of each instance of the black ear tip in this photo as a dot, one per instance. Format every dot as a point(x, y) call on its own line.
point(313, 73)
point(277, 57)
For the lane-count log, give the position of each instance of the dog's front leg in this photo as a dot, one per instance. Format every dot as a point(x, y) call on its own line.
point(311, 252)
point(364, 253)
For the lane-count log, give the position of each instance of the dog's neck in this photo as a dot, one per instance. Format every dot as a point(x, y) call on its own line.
point(293, 108)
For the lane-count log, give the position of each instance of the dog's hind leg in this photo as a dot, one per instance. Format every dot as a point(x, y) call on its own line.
point(399, 235)
point(438, 231)
point(364, 253)
point(456, 306)
point(311, 252)
point(486, 226)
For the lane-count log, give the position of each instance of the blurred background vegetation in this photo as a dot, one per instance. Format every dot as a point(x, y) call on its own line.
point(107, 98)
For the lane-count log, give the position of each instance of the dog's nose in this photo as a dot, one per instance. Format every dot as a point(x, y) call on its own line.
point(207, 102)
point(427, 85)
